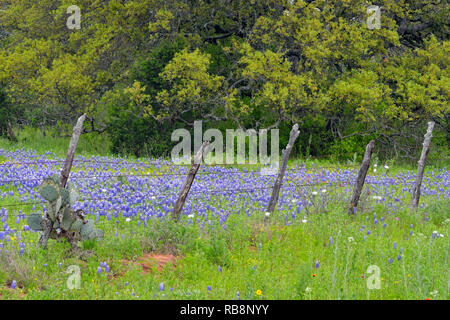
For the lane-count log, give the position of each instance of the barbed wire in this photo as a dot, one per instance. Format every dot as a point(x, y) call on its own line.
point(202, 193)
point(318, 181)
point(287, 184)
point(154, 174)
point(144, 163)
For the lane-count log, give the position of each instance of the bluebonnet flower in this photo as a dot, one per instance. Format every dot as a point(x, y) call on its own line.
point(161, 286)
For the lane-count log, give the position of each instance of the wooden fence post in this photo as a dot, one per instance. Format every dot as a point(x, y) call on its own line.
point(201, 153)
point(46, 222)
point(415, 196)
point(359, 183)
point(277, 186)
point(71, 152)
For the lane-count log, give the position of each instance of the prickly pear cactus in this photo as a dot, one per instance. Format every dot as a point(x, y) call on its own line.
point(60, 220)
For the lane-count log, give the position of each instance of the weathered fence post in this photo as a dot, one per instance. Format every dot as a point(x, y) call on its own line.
point(188, 182)
point(286, 152)
point(46, 221)
point(71, 152)
point(359, 183)
point(415, 196)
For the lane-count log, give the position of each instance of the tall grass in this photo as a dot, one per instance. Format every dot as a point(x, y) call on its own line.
point(33, 138)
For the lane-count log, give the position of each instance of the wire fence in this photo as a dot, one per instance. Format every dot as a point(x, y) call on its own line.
point(202, 172)
point(150, 196)
point(120, 161)
point(207, 193)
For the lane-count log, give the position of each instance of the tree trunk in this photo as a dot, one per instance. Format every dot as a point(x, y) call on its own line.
point(361, 178)
point(420, 170)
point(286, 152)
point(189, 180)
point(11, 134)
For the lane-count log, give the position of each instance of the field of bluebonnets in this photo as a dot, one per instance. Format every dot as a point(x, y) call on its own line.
point(222, 248)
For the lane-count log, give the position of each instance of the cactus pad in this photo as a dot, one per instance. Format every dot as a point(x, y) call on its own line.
point(86, 229)
point(60, 215)
point(49, 192)
point(67, 219)
point(34, 221)
point(64, 197)
point(76, 226)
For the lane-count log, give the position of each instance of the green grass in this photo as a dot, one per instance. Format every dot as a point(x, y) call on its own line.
point(32, 138)
point(279, 260)
point(259, 260)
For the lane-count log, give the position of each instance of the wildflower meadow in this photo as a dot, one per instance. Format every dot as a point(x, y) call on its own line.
point(225, 245)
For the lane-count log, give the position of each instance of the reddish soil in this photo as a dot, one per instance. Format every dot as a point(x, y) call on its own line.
point(158, 261)
point(150, 262)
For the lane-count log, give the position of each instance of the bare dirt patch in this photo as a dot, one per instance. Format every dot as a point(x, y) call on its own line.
point(150, 261)
point(153, 262)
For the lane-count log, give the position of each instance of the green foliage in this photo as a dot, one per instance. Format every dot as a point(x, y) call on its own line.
point(5, 113)
point(133, 124)
point(167, 237)
point(144, 67)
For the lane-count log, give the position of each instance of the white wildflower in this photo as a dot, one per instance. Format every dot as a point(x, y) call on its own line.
point(386, 166)
point(308, 289)
point(350, 239)
point(267, 214)
point(374, 170)
point(314, 193)
point(434, 293)
point(190, 216)
point(324, 190)
point(294, 200)
point(441, 235)
point(128, 219)
point(304, 221)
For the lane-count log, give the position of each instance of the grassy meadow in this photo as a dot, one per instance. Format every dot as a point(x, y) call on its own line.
point(222, 247)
